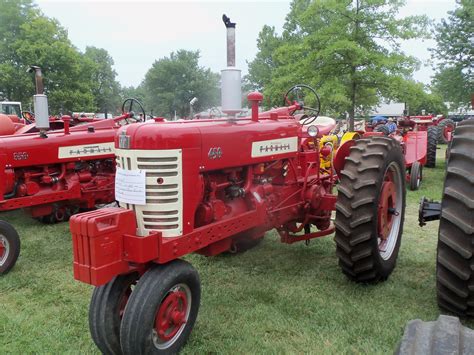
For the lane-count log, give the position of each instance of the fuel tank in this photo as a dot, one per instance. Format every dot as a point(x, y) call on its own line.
point(221, 143)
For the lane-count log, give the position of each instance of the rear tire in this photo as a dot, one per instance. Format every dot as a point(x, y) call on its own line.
point(162, 309)
point(445, 126)
point(416, 175)
point(432, 144)
point(446, 335)
point(455, 257)
point(9, 247)
point(106, 311)
point(373, 167)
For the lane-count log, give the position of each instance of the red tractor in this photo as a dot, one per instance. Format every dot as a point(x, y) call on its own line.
point(190, 187)
point(56, 173)
point(419, 144)
point(216, 186)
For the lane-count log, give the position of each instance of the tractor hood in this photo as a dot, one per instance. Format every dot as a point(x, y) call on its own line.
point(222, 143)
point(30, 149)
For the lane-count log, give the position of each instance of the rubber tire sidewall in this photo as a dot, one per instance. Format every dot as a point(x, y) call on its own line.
point(415, 169)
point(13, 239)
point(139, 317)
point(385, 267)
point(104, 318)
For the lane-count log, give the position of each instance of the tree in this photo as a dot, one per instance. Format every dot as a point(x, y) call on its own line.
point(173, 81)
point(73, 81)
point(348, 50)
point(454, 79)
point(105, 88)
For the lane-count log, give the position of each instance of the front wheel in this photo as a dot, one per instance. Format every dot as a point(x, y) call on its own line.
point(162, 309)
point(370, 209)
point(416, 175)
point(9, 247)
point(106, 311)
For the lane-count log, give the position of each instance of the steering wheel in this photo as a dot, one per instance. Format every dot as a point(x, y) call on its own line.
point(297, 95)
point(28, 116)
point(132, 100)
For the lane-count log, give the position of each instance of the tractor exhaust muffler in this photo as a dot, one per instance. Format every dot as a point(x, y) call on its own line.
point(40, 102)
point(231, 83)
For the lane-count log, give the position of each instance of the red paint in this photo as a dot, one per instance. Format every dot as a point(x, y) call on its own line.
point(387, 203)
point(171, 315)
point(34, 177)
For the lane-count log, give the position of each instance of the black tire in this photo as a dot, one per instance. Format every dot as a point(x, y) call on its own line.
point(431, 146)
point(446, 335)
point(137, 332)
point(416, 175)
point(442, 126)
point(383, 129)
point(105, 312)
point(357, 214)
point(455, 257)
point(9, 248)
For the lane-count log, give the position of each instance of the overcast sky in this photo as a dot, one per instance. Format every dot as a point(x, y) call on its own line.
point(136, 33)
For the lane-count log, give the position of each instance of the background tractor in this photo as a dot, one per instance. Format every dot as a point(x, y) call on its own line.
point(52, 174)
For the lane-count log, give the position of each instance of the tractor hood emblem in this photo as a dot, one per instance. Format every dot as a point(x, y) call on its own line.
point(124, 141)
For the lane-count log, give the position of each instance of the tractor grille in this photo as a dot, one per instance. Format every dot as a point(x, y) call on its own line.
point(164, 192)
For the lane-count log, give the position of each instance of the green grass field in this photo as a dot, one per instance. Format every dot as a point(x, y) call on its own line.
point(275, 298)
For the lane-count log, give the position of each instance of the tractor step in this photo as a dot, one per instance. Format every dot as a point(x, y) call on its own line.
point(429, 211)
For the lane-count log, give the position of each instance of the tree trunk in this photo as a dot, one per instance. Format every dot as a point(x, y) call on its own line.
point(353, 101)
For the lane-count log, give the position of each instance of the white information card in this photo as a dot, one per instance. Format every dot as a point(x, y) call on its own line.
point(130, 186)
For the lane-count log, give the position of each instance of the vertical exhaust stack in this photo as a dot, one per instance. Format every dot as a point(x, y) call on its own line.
point(40, 102)
point(231, 84)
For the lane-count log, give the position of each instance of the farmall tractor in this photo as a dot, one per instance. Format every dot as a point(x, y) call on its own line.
point(56, 173)
point(455, 255)
point(213, 186)
point(419, 143)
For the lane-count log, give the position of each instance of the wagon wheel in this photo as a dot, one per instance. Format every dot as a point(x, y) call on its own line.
point(446, 127)
point(370, 209)
point(162, 309)
point(455, 257)
point(416, 175)
point(106, 311)
point(297, 94)
point(9, 247)
point(432, 144)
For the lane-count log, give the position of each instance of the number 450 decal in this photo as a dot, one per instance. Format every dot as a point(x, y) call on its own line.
point(214, 153)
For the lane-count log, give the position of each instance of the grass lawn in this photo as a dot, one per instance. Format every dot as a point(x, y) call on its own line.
point(275, 298)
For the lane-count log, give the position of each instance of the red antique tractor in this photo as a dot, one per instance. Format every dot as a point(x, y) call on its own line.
point(419, 144)
point(191, 186)
point(56, 173)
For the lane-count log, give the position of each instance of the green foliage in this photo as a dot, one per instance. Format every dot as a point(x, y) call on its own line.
point(105, 88)
point(454, 79)
point(73, 81)
point(348, 50)
point(417, 97)
point(173, 81)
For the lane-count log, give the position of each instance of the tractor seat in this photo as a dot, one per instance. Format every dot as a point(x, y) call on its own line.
point(325, 125)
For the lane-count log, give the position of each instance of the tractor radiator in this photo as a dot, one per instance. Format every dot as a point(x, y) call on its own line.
point(164, 189)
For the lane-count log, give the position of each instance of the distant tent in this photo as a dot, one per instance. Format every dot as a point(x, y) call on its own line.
point(379, 118)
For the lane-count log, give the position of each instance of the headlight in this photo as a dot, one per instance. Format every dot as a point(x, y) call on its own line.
point(313, 131)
